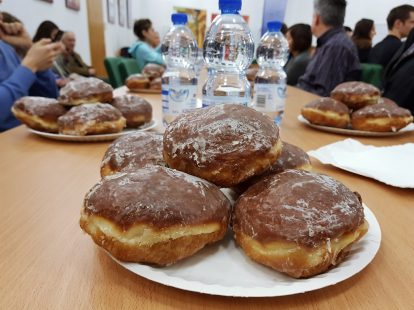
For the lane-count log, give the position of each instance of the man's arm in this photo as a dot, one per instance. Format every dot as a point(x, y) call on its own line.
point(76, 65)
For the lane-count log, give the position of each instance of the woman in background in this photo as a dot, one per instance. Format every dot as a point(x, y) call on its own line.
point(146, 50)
point(46, 30)
point(299, 38)
point(362, 37)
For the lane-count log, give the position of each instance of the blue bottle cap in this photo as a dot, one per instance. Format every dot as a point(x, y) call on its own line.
point(274, 26)
point(179, 18)
point(230, 6)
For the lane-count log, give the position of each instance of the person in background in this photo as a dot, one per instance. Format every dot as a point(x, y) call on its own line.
point(336, 58)
point(398, 77)
point(27, 76)
point(299, 38)
point(147, 49)
point(284, 29)
point(46, 30)
point(400, 21)
point(364, 32)
point(69, 60)
point(348, 31)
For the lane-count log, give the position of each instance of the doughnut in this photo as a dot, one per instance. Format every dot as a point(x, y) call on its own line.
point(91, 119)
point(156, 84)
point(137, 81)
point(133, 151)
point(38, 113)
point(387, 101)
point(381, 117)
point(251, 74)
point(224, 144)
point(153, 71)
point(298, 223)
point(356, 95)
point(136, 110)
point(85, 90)
point(154, 215)
point(327, 112)
point(291, 157)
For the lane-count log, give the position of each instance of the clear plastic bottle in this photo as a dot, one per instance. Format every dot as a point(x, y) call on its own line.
point(270, 82)
point(179, 81)
point(228, 51)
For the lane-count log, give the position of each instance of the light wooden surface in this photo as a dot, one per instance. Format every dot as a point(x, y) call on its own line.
point(46, 262)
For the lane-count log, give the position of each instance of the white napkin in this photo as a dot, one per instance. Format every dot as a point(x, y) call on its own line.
point(392, 165)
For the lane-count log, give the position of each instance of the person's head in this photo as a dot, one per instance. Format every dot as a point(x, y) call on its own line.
point(145, 32)
point(348, 31)
point(9, 18)
point(69, 41)
point(364, 29)
point(284, 29)
point(400, 20)
point(327, 14)
point(46, 30)
point(299, 37)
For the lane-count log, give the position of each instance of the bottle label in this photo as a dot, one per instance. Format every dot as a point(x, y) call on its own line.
point(210, 101)
point(269, 97)
point(178, 99)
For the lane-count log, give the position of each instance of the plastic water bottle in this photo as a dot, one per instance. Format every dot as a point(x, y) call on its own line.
point(270, 81)
point(179, 81)
point(228, 51)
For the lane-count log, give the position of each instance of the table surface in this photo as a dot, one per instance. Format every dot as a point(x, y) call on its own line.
point(47, 262)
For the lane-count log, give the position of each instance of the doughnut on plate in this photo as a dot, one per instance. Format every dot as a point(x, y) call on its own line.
point(353, 132)
point(223, 269)
point(93, 138)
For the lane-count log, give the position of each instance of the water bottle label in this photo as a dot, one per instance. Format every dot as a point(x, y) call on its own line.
point(210, 101)
point(269, 97)
point(178, 99)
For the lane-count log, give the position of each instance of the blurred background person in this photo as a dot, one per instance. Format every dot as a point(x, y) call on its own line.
point(147, 49)
point(362, 36)
point(299, 38)
point(46, 30)
point(400, 21)
point(348, 31)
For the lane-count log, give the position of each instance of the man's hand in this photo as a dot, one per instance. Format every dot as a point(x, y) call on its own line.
point(92, 72)
point(15, 35)
point(41, 55)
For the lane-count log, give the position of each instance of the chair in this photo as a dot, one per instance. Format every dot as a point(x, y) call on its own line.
point(127, 67)
point(112, 68)
point(372, 74)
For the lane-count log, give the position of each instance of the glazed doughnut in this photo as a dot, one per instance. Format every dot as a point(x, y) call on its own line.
point(298, 223)
point(224, 144)
point(291, 157)
point(356, 95)
point(156, 84)
point(155, 215)
point(85, 90)
point(136, 110)
point(327, 112)
point(133, 151)
point(387, 101)
point(381, 117)
point(91, 119)
point(38, 113)
point(153, 71)
point(137, 81)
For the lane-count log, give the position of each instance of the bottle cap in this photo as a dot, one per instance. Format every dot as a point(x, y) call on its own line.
point(179, 18)
point(230, 6)
point(274, 26)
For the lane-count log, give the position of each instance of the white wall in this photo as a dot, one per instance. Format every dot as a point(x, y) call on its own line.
point(300, 11)
point(33, 12)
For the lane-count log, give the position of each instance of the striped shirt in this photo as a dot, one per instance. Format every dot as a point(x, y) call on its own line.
point(335, 61)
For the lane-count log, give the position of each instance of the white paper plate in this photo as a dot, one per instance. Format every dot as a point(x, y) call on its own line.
point(223, 269)
point(93, 138)
point(353, 132)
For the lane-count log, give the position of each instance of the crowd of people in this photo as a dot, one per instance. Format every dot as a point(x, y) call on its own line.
point(42, 65)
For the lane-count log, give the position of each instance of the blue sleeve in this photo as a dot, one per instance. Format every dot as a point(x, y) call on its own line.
point(13, 88)
point(45, 85)
point(150, 55)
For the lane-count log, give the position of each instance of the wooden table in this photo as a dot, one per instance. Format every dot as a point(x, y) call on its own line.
point(47, 262)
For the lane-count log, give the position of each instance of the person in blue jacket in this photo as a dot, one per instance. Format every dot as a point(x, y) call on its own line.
point(147, 49)
point(27, 76)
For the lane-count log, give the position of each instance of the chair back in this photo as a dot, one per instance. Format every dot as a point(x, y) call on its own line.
point(127, 67)
point(372, 74)
point(112, 68)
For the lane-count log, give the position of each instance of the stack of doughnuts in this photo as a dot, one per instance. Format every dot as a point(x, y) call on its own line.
point(294, 221)
point(83, 108)
point(149, 78)
point(357, 105)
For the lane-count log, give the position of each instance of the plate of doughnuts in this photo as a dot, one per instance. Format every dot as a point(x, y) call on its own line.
point(354, 132)
point(93, 138)
point(222, 269)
